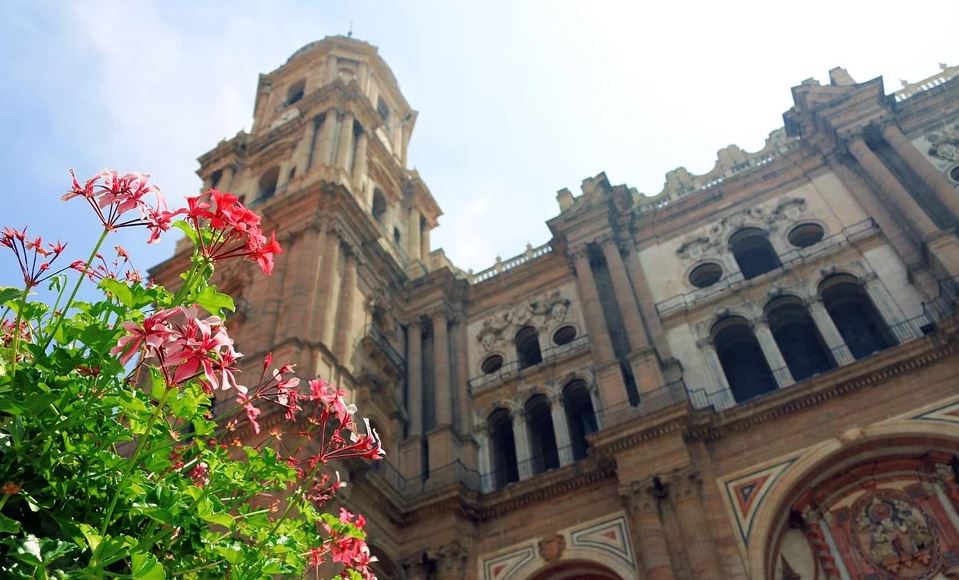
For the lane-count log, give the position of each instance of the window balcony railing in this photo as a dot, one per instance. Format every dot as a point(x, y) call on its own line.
point(376, 337)
point(512, 368)
point(847, 236)
point(649, 402)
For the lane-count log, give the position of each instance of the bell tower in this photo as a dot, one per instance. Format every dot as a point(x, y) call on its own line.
point(325, 165)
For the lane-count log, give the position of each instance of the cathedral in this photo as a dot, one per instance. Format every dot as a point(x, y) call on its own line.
point(752, 375)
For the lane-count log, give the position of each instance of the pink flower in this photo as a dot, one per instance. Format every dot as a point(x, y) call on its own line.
point(237, 231)
point(34, 257)
point(152, 332)
point(200, 474)
point(112, 195)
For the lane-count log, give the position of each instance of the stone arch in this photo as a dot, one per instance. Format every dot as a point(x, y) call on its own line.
point(590, 560)
point(528, 391)
point(854, 269)
point(856, 446)
point(742, 359)
point(753, 251)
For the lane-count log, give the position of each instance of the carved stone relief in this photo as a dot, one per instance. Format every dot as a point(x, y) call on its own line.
point(542, 312)
point(710, 241)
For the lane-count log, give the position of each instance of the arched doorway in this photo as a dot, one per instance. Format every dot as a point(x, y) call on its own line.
point(576, 570)
point(886, 508)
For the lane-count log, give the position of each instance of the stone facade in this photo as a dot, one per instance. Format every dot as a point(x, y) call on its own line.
point(752, 374)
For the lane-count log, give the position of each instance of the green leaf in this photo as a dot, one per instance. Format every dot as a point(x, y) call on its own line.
point(232, 554)
point(205, 511)
point(119, 289)
point(8, 293)
point(187, 229)
point(215, 302)
point(8, 525)
point(89, 534)
point(147, 567)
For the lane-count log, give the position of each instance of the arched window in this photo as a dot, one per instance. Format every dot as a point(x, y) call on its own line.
point(527, 347)
point(858, 321)
point(267, 184)
point(744, 365)
point(502, 448)
point(295, 92)
point(798, 338)
point(379, 205)
point(753, 252)
point(580, 416)
point(542, 436)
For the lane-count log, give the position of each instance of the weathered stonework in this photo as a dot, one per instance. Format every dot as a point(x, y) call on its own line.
point(598, 407)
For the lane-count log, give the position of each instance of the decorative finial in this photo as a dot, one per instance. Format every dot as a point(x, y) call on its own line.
point(350, 33)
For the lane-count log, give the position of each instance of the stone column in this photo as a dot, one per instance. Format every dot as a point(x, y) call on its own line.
point(936, 181)
point(902, 240)
point(521, 439)
point(625, 299)
point(425, 246)
point(485, 461)
point(686, 492)
point(324, 145)
point(609, 377)
point(595, 319)
point(297, 293)
point(343, 334)
point(344, 142)
point(413, 235)
point(647, 304)
point(830, 334)
point(892, 189)
point(450, 561)
point(561, 429)
point(643, 505)
point(441, 370)
point(772, 353)
point(301, 157)
point(327, 297)
point(360, 160)
point(414, 376)
point(723, 397)
point(643, 360)
point(461, 387)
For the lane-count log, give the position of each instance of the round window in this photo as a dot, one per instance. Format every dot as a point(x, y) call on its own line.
point(805, 235)
point(954, 173)
point(564, 335)
point(492, 364)
point(706, 274)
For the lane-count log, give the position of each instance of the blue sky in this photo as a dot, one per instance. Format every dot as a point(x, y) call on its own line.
point(517, 99)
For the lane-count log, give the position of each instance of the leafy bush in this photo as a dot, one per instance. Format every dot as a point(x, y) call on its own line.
point(112, 462)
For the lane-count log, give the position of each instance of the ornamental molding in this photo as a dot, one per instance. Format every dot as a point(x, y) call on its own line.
point(944, 143)
point(712, 240)
point(542, 312)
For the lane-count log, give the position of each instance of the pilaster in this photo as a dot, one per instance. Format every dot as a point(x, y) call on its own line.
point(641, 499)
point(686, 493)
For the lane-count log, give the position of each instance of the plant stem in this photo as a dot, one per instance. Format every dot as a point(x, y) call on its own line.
point(129, 469)
point(16, 333)
point(76, 288)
